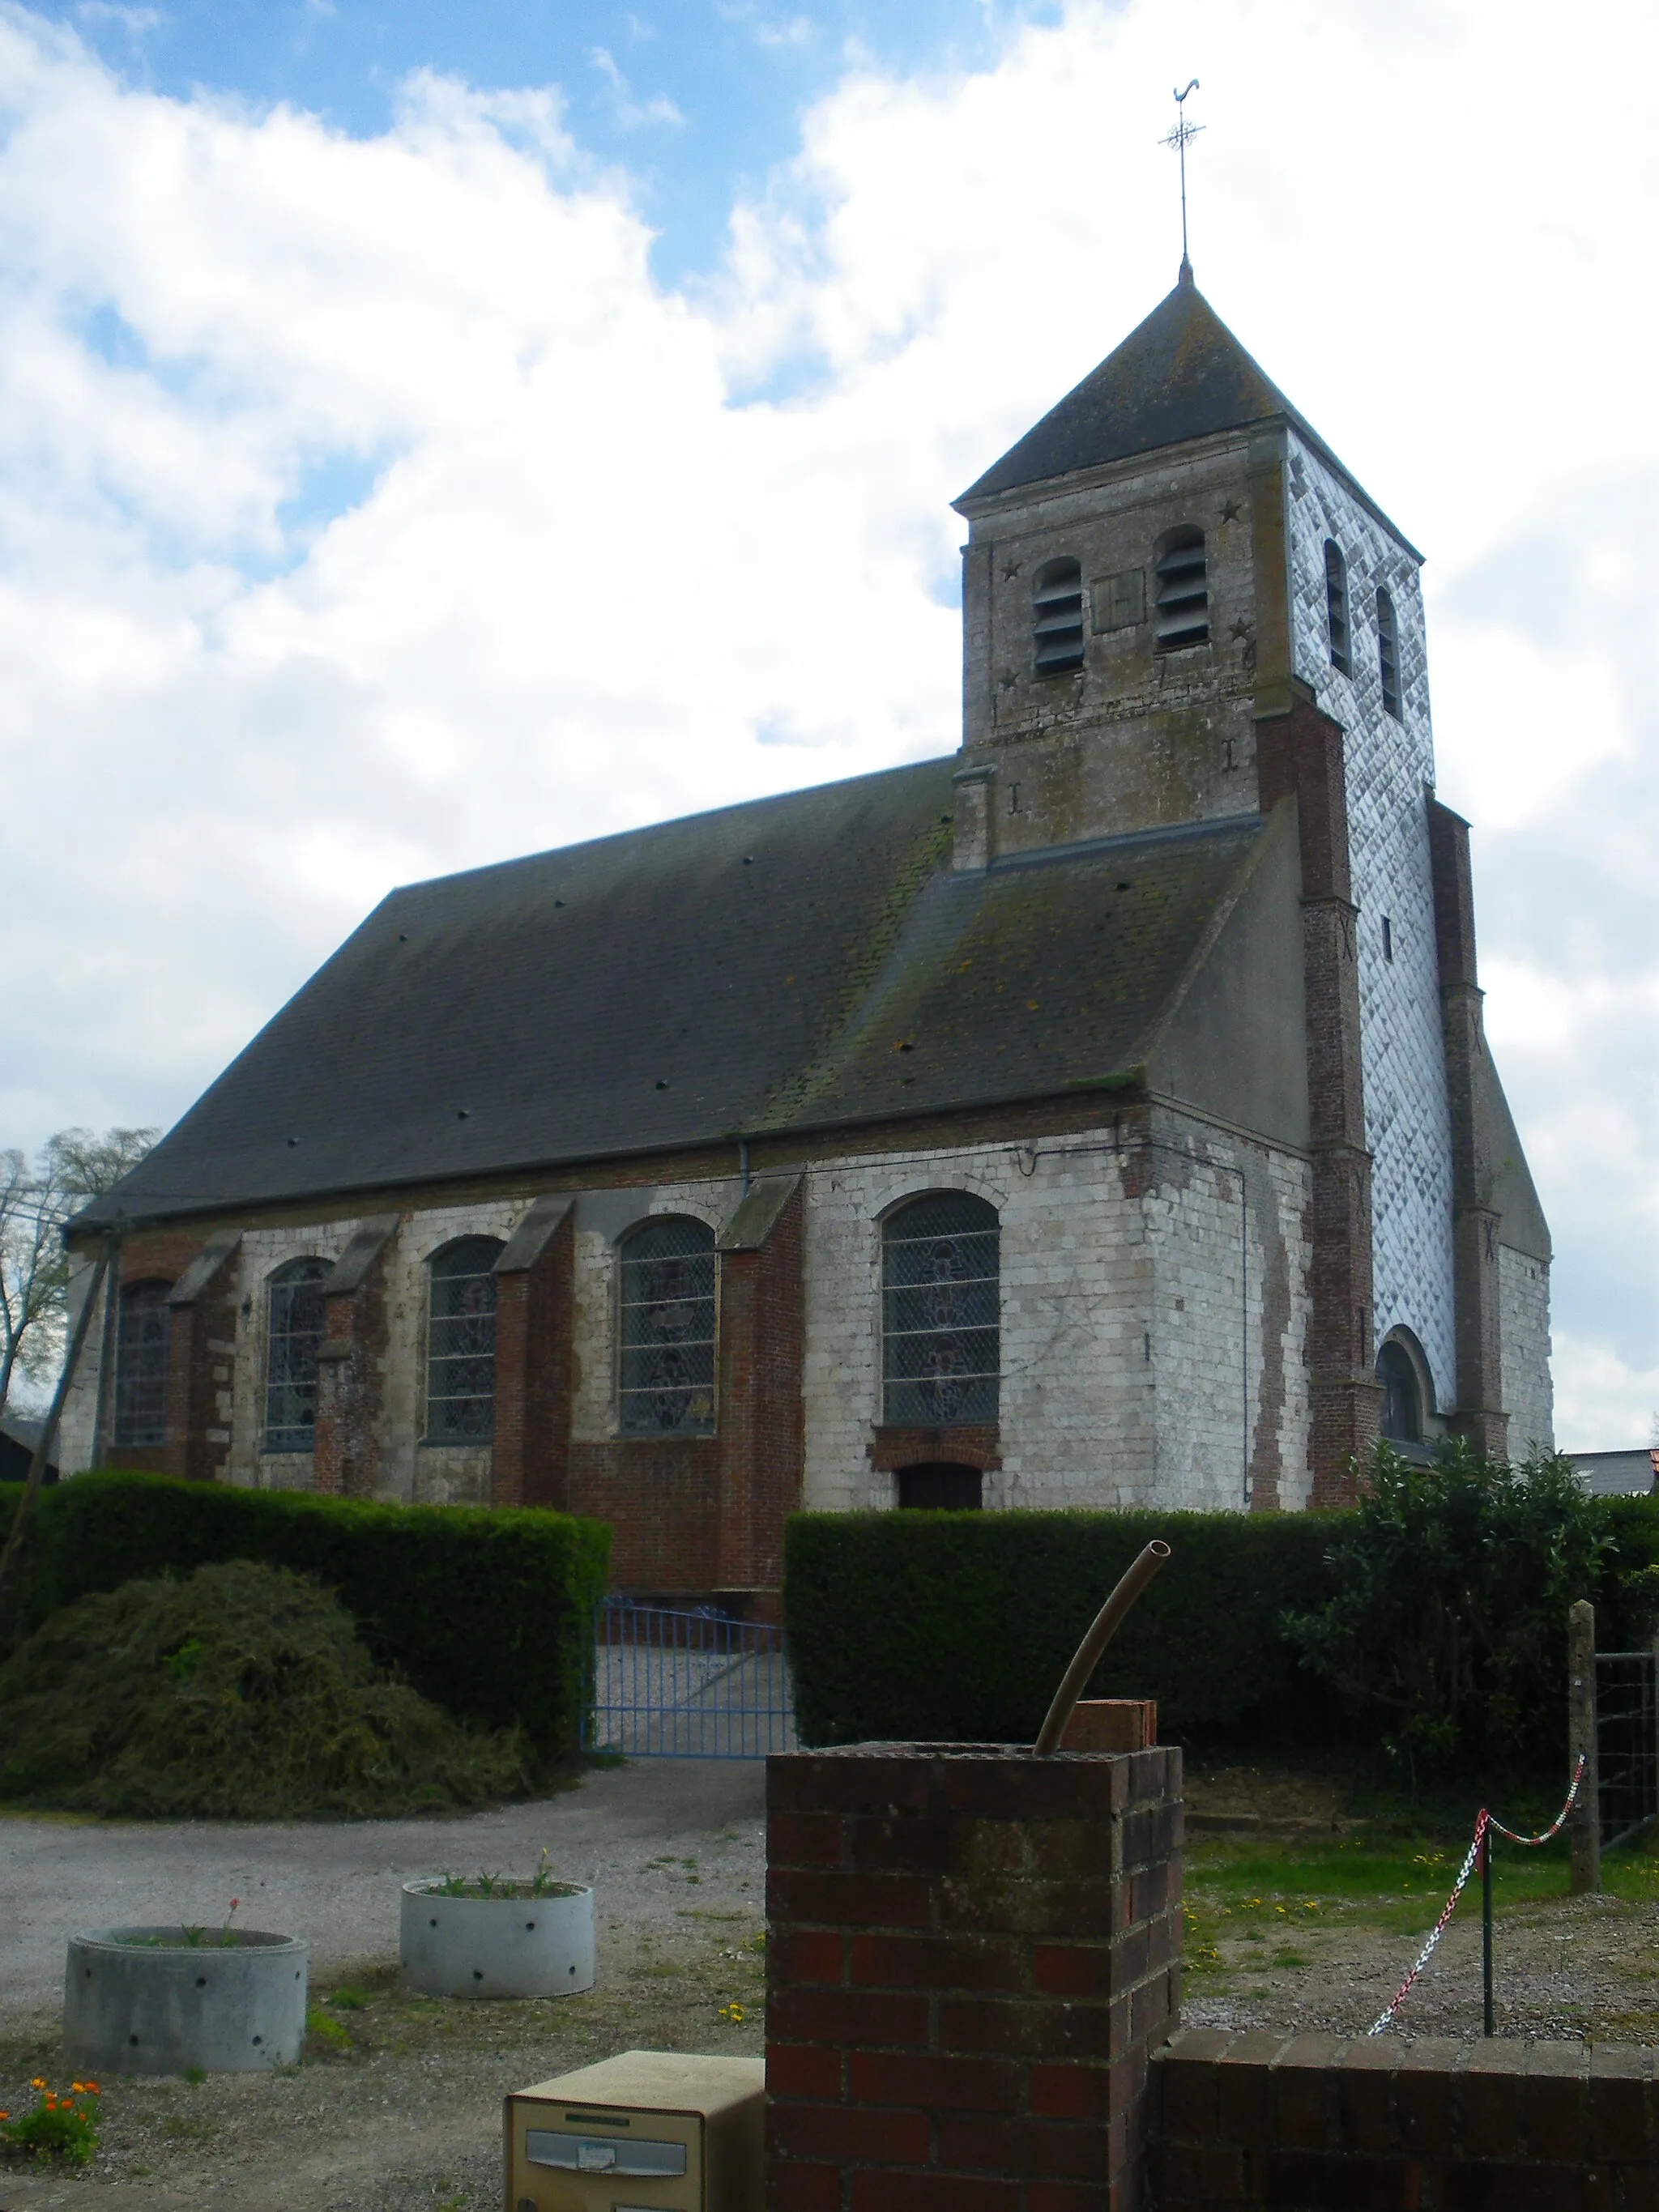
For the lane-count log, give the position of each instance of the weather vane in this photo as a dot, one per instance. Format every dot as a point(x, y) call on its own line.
point(1178, 138)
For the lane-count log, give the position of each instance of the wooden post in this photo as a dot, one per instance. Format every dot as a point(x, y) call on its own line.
point(1585, 1828)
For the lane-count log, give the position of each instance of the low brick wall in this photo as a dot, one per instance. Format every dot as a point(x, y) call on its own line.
point(1381, 2124)
point(972, 1953)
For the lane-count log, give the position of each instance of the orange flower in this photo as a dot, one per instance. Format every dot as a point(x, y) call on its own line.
point(5, 2116)
point(37, 2083)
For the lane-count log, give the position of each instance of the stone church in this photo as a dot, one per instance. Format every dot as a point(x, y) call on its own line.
point(1098, 1116)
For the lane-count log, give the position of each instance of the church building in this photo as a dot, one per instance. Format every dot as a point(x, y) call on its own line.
point(1098, 1116)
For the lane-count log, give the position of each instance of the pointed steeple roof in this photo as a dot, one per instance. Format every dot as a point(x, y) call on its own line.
point(1181, 375)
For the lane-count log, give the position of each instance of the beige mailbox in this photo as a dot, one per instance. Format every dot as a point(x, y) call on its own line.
point(648, 2131)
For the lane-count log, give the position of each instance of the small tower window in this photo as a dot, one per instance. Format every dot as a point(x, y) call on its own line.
point(1336, 606)
point(1184, 591)
point(1057, 619)
point(1388, 655)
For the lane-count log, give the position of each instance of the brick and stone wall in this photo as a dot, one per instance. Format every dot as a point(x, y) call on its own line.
point(1382, 2125)
point(972, 1953)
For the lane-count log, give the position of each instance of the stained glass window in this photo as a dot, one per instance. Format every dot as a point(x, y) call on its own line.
point(294, 1329)
point(143, 1326)
point(668, 1329)
point(941, 1308)
point(460, 1360)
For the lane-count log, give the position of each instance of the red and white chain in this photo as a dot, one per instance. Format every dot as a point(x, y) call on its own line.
point(1482, 1821)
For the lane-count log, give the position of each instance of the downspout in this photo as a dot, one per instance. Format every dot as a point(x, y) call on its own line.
point(743, 1165)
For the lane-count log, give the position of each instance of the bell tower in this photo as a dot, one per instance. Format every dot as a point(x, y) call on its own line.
point(1125, 597)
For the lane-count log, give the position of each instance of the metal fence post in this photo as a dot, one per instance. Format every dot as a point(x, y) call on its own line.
point(1586, 1825)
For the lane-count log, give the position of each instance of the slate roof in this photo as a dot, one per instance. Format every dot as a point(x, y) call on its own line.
point(807, 962)
point(1180, 374)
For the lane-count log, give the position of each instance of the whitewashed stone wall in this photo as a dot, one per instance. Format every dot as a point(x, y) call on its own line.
point(80, 1413)
point(1134, 1326)
point(1523, 1322)
point(1407, 1121)
point(1131, 1325)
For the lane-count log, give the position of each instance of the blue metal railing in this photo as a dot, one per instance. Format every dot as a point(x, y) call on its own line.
point(699, 1684)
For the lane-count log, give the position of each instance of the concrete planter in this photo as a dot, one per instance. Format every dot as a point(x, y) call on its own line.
point(143, 2000)
point(497, 1947)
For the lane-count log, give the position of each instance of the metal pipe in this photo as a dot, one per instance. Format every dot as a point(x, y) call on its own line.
point(1106, 1622)
point(743, 1165)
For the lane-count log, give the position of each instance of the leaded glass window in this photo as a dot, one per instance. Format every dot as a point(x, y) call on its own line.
point(294, 1328)
point(460, 1356)
point(941, 1311)
point(668, 1329)
point(143, 1322)
point(1402, 1412)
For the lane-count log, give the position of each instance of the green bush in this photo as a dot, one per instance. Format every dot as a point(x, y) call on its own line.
point(484, 1611)
point(958, 1625)
point(240, 1692)
point(1445, 1630)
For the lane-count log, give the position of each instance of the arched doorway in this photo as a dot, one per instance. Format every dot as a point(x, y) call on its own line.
point(940, 1485)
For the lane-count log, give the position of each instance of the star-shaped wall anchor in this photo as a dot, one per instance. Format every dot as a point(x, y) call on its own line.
point(1231, 510)
point(1010, 571)
point(1238, 628)
point(1009, 680)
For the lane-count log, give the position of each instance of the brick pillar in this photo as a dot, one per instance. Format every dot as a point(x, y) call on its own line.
point(1480, 1412)
point(973, 1953)
point(201, 1357)
point(762, 1421)
point(535, 1304)
point(350, 1363)
point(1300, 756)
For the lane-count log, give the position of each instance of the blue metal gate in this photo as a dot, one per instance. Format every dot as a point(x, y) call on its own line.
point(688, 1685)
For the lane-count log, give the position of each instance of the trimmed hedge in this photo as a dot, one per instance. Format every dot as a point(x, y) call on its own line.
point(486, 1612)
point(940, 1626)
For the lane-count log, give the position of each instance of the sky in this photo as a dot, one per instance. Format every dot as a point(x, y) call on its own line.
point(434, 434)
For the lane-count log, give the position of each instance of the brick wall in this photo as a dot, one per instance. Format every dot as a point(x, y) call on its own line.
point(972, 1953)
point(1300, 754)
point(1381, 2124)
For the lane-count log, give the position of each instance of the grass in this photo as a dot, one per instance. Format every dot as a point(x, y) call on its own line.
point(1246, 1893)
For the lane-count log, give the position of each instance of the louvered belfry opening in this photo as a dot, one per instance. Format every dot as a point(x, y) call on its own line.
point(1184, 591)
point(1388, 655)
point(1336, 607)
point(1057, 617)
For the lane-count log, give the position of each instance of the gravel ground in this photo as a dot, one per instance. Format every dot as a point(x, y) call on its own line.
point(399, 2103)
point(397, 2108)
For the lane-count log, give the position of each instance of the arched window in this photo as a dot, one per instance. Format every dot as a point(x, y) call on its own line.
point(1336, 606)
point(1057, 617)
point(294, 1328)
point(941, 1310)
point(460, 1345)
point(668, 1329)
point(1388, 655)
point(1403, 1403)
point(143, 1323)
point(941, 1486)
point(1184, 591)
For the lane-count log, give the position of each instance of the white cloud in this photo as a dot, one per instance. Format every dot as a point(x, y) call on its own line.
point(1600, 1403)
point(367, 510)
point(632, 115)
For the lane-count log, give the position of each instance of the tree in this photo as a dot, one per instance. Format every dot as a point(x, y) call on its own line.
point(36, 1199)
point(1448, 1620)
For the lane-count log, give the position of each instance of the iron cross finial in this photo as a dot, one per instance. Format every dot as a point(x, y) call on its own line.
point(1179, 139)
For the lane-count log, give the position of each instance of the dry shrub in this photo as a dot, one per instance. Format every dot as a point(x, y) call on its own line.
point(240, 1692)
